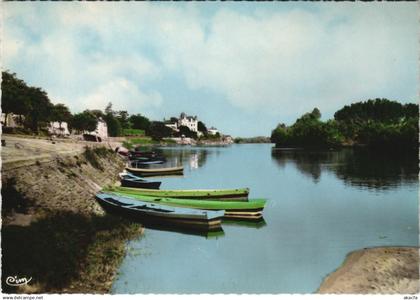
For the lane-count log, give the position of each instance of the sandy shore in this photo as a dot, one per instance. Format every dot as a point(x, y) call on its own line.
point(382, 270)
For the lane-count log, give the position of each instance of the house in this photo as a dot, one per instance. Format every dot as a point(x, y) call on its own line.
point(58, 129)
point(228, 139)
point(212, 131)
point(173, 126)
point(189, 121)
point(12, 120)
point(99, 134)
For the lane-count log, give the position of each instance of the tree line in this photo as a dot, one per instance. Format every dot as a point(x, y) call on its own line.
point(376, 123)
point(36, 111)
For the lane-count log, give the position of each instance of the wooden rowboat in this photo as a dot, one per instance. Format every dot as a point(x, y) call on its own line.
point(130, 180)
point(251, 209)
point(158, 214)
point(155, 171)
point(218, 195)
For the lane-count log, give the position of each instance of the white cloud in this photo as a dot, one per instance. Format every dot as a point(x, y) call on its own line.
point(276, 61)
point(123, 93)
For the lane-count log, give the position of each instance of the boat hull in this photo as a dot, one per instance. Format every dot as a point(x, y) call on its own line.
point(217, 195)
point(155, 172)
point(192, 219)
point(140, 184)
point(251, 210)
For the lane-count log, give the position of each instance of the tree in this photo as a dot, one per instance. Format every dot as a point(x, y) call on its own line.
point(122, 117)
point(316, 113)
point(158, 130)
point(60, 113)
point(114, 126)
point(280, 135)
point(185, 131)
point(108, 109)
point(41, 108)
point(139, 122)
point(85, 121)
point(15, 98)
point(97, 113)
point(202, 127)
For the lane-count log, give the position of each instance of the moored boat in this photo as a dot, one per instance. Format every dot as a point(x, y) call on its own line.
point(217, 195)
point(155, 171)
point(139, 163)
point(158, 214)
point(131, 181)
point(251, 209)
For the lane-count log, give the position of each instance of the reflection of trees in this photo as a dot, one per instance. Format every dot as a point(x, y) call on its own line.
point(358, 167)
point(376, 170)
point(307, 162)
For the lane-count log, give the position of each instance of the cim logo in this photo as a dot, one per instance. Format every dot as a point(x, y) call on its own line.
point(15, 281)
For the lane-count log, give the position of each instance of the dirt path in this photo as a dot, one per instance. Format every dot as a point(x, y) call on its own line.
point(24, 151)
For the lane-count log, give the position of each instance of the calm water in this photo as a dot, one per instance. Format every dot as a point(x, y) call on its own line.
point(321, 205)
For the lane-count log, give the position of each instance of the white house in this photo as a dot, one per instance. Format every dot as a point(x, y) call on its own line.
point(101, 130)
point(12, 120)
point(212, 131)
point(56, 129)
point(173, 126)
point(189, 121)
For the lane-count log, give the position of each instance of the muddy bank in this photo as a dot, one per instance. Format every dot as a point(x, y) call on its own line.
point(53, 230)
point(382, 270)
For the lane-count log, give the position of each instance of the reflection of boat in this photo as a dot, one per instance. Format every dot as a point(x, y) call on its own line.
point(130, 180)
point(246, 223)
point(158, 214)
point(155, 171)
point(225, 195)
point(211, 233)
point(251, 209)
point(143, 162)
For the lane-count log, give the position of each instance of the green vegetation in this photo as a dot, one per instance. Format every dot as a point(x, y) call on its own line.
point(133, 132)
point(133, 142)
point(84, 121)
point(30, 102)
point(252, 140)
point(158, 131)
point(92, 155)
point(202, 127)
point(378, 123)
point(309, 132)
point(186, 132)
point(66, 250)
point(139, 122)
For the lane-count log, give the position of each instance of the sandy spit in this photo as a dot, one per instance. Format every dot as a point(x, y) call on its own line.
point(381, 270)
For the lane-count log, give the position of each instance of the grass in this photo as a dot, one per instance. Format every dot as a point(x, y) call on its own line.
point(131, 132)
point(66, 251)
point(133, 142)
point(92, 155)
point(142, 140)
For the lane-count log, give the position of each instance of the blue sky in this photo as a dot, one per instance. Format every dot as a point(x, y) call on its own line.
point(241, 67)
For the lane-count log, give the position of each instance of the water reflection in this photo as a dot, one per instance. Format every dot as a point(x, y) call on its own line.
point(357, 167)
point(208, 234)
point(246, 223)
point(194, 158)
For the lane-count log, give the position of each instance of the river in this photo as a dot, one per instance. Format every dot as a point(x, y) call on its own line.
point(321, 205)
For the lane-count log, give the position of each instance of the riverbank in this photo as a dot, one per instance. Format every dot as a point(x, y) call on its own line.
point(53, 231)
point(382, 270)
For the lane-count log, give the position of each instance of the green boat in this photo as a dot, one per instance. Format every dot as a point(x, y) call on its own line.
point(220, 195)
point(251, 209)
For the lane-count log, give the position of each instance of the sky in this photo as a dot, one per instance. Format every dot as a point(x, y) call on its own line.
point(242, 67)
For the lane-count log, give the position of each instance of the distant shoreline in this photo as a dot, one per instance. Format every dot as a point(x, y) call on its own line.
point(379, 270)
